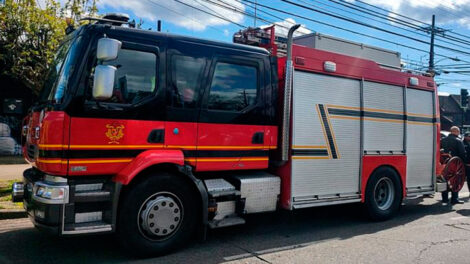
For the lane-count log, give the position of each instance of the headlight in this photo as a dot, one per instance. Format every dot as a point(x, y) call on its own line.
point(40, 191)
point(50, 194)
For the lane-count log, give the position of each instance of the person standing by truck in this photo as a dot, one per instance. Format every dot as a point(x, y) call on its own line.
point(454, 146)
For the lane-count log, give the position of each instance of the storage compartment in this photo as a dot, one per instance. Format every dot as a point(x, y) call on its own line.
point(260, 190)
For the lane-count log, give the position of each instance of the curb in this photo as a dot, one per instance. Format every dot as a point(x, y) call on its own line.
point(12, 214)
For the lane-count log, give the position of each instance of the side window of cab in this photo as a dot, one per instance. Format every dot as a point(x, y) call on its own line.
point(136, 76)
point(234, 91)
point(234, 87)
point(186, 78)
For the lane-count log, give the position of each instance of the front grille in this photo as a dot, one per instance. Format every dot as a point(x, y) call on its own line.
point(31, 150)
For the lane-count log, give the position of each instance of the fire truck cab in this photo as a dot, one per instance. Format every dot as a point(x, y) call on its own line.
point(157, 137)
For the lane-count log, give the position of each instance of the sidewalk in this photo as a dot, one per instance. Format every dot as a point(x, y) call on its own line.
point(12, 172)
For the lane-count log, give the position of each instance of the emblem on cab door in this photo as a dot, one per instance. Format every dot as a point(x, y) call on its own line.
point(115, 132)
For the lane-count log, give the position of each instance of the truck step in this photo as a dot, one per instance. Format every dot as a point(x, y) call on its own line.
point(90, 227)
point(229, 221)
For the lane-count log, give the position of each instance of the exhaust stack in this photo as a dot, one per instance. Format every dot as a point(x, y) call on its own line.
point(285, 137)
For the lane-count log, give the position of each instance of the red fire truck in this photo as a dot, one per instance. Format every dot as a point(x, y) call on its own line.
point(157, 137)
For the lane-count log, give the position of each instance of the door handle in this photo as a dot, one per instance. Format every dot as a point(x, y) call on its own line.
point(258, 138)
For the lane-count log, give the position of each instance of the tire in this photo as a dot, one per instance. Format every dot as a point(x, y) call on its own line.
point(383, 194)
point(157, 215)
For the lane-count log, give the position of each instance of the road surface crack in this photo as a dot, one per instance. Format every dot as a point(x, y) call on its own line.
point(432, 244)
point(254, 254)
point(458, 226)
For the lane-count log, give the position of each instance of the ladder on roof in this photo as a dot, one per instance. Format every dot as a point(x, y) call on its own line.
point(262, 37)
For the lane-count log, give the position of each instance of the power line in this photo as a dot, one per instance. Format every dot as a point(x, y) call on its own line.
point(455, 65)
point(209, 13)
point(246, 13)
point(396, 20)
point(337, 27)
point(235, 9)
point(347, 30)
point(462, 73)
point(378, 20)
point(183, 15)
point(265, 12)
point(361, 15)
point(391, 12)
point(353, 21)
point(407, 17)
point(217, 13)
point(373, 27)
point(443, 8)
point(376, 14)
point(315, 21)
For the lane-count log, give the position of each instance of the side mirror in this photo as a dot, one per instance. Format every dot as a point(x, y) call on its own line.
point(103, 82)
point(108, 49)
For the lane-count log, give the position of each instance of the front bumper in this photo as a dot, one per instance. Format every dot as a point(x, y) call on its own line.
point(78, 210)
point(45, 216)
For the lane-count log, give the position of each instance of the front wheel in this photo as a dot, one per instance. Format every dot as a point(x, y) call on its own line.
point(158, 215)
point(383, 194)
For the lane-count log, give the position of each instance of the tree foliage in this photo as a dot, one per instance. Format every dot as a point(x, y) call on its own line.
point(30, 35)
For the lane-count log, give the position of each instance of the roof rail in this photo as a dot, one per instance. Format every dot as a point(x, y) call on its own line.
point(115, 19)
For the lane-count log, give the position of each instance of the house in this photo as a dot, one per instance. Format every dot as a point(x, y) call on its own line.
point(451, 113)
point(15, 100)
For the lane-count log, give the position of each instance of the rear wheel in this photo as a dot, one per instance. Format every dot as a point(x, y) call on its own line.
point(383, 194)
point(157, 215)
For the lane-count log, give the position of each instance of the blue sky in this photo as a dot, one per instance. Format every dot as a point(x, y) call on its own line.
point(453, 15)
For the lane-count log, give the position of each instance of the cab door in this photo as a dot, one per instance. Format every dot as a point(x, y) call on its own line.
point(105, 136)
point(186, 73)
point(231, 131)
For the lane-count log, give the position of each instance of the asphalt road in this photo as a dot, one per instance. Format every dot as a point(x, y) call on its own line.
point(425, 232)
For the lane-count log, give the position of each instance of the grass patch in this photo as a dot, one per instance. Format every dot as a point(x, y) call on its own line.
point(5, 196)
point(12, 160)
point(5, 187)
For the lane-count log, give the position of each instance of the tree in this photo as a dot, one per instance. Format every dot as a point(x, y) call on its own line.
point(76, 9)
point(30, 36)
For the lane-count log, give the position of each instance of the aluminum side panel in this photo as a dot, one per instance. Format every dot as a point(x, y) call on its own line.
point(325, 176)
point(386, 100)
point(383, 96)
point(419, 102)
point(383, 137)
point(420, 140)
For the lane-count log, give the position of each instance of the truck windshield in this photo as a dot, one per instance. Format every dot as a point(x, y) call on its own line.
point(60, 71)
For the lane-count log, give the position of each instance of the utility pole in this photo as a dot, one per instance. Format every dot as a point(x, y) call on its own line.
point(433, 30)
point(256, 4)
point(431, 50)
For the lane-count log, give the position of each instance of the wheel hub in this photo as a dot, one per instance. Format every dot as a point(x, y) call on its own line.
point(384, 193)
point(160, 216)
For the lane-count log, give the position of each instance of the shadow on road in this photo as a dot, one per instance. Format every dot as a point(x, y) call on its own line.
point(464, 212)
point(262, 233)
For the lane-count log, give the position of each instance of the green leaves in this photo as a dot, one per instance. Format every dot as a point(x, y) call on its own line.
point(30, 35)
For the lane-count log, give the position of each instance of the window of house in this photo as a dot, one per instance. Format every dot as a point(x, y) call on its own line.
point(233, 87)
